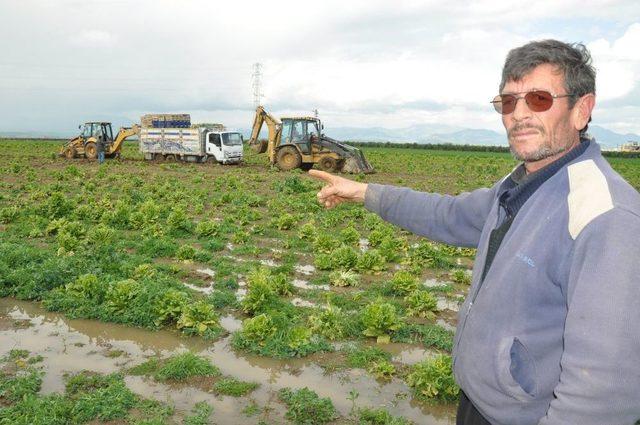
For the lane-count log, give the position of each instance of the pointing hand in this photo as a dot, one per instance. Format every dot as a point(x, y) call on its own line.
point(338, 189)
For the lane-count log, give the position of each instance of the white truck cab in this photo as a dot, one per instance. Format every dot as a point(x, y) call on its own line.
point(224, 146)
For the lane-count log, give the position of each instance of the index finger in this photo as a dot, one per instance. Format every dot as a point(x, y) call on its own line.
point(323, 175)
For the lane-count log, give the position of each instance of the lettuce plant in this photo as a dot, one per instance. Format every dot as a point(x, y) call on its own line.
point(380, 320)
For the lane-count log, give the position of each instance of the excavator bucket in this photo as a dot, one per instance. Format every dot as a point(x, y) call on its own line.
point(354, 160)
point(260, 146)
point(356, 164)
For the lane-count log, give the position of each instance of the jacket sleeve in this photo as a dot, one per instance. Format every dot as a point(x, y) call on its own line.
point(600, 378)
point(456, 220)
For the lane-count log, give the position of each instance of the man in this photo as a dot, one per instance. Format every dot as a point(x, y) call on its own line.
point(100, 146)
point(549, 331)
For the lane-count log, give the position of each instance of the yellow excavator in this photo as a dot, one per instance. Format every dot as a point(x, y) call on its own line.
point(298, 142)
point(84, 145)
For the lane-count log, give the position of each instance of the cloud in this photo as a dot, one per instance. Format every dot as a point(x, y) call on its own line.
point(362, 62)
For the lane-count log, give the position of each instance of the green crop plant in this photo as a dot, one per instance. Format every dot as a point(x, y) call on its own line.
point(207, 228)
point(381, 369)
point(349, 235)
point(278, 282)
point(433, 379)
point(305, 407)
point(372, 261)
point(344, 257)
point(240, 237)
point(144, 271)
point(426, 254)
point(367, 416)
point(200, 318)
point(178, 221)
point(393, 248)
point(461, 277)
point(403, 283)
point(258, 329)
point(285, 221)
point(421, 304)
point(120, 295)
point(308, 231)
point(380, 233)
point(323, 262)
point(186, 253)
point(9, 214)
point(380, 320)
point(86, 287)
point(101, 235)
point(170, 305)
point(260, 297)
point(344, 278)
point(298, 337)
point(328, 322)
point(324, 243)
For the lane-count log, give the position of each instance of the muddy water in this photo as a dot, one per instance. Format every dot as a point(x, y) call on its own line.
point(75, 345)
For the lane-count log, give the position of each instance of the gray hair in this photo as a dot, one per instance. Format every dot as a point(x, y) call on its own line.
point(573, 60)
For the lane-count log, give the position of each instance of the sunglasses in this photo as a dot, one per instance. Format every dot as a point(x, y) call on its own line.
point(537, 101)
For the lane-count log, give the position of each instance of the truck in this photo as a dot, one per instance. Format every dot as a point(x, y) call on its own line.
point(201, 144)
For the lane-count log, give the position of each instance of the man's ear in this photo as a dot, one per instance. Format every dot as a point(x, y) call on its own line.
point(582, 111)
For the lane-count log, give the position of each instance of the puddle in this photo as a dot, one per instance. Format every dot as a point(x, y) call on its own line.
point(303, 284)
point(299, 302)
point(305, 269)
point(364, 244)
point(241, 293)
point(448, 326)
point(202, 289)
point(74, 345)
point(433, 283)
point(269, 263)
point(408, 354)
point(230, 323)
point(230, 246)
point(447, 304)
point(207, 272)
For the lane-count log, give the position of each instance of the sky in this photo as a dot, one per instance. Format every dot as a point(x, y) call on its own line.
point(360, 63)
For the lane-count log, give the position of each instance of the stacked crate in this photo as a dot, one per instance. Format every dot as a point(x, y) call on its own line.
point(166, 121)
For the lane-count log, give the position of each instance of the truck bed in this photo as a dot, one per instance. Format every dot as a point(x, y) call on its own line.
point(176, 141)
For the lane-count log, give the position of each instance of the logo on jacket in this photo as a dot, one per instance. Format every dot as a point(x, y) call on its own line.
point(526, 259)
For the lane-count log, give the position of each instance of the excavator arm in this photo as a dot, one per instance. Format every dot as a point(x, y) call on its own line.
point(274, 126)
point(123, 134)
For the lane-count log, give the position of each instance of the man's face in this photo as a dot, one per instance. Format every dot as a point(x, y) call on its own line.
point(536, 136)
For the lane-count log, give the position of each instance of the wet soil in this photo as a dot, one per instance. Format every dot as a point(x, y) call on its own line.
point(71, 346)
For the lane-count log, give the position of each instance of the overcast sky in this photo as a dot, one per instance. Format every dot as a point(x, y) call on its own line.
point(361, 63)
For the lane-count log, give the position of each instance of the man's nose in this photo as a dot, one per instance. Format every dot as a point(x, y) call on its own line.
point(522, 110)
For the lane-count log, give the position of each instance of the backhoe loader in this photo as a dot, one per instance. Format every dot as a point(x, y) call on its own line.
point(298, 142)
point(84, 145)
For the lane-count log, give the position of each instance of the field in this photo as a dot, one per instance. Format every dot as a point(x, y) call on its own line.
point(148, 293)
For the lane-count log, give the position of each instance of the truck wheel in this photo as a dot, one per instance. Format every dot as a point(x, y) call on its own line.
point(288, 158)
point(170, 158)
point(212, 160)
point(90, 150)
point(158, 157)
point(328, 164)
point(70, 152)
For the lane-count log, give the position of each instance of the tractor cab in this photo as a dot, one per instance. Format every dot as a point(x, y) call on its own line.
point(96, 129)
point(301, 131)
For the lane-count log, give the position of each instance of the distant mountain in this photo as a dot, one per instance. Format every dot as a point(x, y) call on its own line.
point(423, 133)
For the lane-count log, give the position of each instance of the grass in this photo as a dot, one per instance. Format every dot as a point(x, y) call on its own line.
point(176, 368)
point(233, 387)
point(305, 407)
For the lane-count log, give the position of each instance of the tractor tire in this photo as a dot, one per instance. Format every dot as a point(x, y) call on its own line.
point(288, 158)
point(90, 150)
point(328, 164)
point(70, 152)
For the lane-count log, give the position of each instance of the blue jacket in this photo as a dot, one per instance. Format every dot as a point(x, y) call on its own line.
point(553, 335)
